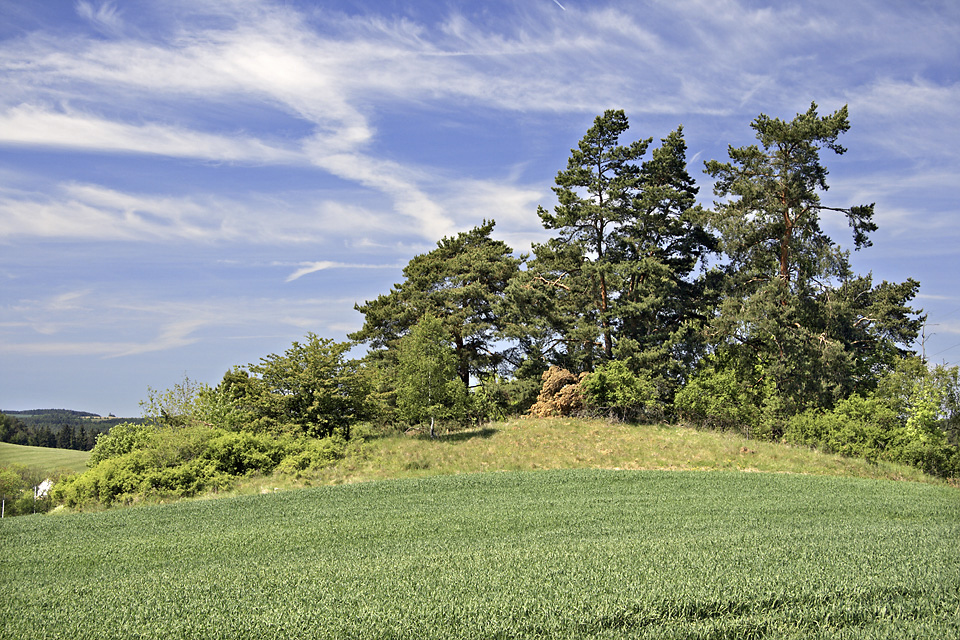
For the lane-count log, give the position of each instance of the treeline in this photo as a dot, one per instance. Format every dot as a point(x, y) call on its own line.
point(59, 428)
point(641, 305)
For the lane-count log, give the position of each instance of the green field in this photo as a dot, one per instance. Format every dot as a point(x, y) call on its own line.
point(548, 554)
point(43, 458)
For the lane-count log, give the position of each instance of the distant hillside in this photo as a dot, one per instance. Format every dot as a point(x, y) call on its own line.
point(58, 428)
point(52, 415)
point(45, 459)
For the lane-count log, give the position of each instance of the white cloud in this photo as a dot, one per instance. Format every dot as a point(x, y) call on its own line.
point(913, 118)
point(106, 326)
point(79, 211)
point(105, 17)
point(36, 126)
point(705, 58)
point(307, 268)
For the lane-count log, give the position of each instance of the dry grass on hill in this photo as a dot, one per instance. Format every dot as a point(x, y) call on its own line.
point(567, 443)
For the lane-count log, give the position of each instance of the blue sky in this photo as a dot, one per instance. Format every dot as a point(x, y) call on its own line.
point(191, 185)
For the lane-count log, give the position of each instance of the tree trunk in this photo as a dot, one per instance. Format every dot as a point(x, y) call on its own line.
point(785, 241)
point(463, 368)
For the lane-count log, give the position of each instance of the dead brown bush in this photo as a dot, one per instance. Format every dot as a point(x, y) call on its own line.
point(560, 395)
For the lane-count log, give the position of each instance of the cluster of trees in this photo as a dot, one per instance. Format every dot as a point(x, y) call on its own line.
point(642, 304)
point(746, 314)
point(59, 428)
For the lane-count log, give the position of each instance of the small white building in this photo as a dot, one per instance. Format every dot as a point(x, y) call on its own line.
point(42, 489)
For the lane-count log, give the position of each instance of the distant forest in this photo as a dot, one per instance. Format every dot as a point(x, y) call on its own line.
point(61, 428)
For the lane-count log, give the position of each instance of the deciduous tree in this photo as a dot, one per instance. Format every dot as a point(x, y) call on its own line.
point(311, 389)
point(428, 387)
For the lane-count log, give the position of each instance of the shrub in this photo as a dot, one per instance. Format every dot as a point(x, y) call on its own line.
point(122, 438)
point(857, 427)
point(240, 453)
point(182, 462)
point(560, 394)
point(613, 388)
point(716, 398)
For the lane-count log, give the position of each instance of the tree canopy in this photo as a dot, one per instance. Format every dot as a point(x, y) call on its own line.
point(461, 283)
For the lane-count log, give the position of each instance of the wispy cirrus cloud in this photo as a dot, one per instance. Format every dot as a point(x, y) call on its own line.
point(166, 164)
point(104, 16)
point(36, 126)
point(173, 325)
point(306, 268)
point(702, 58)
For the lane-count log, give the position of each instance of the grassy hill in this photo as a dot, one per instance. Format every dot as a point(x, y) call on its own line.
point(537, 444)
point(43, 458)
point(551, 554)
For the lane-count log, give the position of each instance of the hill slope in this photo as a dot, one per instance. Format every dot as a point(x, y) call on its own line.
point(534, 444)
point(44, 458)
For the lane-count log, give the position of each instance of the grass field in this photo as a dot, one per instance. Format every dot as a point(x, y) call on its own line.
point(548, 554)
point(43, 458)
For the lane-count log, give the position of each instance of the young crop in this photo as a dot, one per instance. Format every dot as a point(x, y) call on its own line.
point(569, 554)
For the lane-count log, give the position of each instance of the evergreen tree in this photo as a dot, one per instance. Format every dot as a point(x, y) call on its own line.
point(623, 278)
point(666, 293)
point(596, 193)
point(461, 283)
point(794, 318)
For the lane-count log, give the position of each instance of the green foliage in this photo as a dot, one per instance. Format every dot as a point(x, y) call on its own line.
point(791, 303)
point(461, 283)
point(121, 439)
point(618, 280)
point(428, 387)
point(573, 554)
point(595, 195)
point(856, 427)
point(772, 226)
point(717, 397)
point(907, 419)
point(22, 489)
point(54, 428)
point(173, 407)
point(613, 388)
point(10, 484)
point(311, 390)
point(185, 461)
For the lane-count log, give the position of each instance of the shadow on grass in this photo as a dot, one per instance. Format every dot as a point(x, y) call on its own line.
point(460, 436)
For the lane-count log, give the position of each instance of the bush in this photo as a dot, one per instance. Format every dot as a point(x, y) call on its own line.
point(905, 427)
point(613, 388)
point(858, 426)
point(122, 438)
point(310, 455)
point(240, 453)
point(716, 398)
point(185, 461)
point(560, 394)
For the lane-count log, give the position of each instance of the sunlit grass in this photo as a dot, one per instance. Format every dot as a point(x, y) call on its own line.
point(45, 459)
point(536, 444)
point(553, 554)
